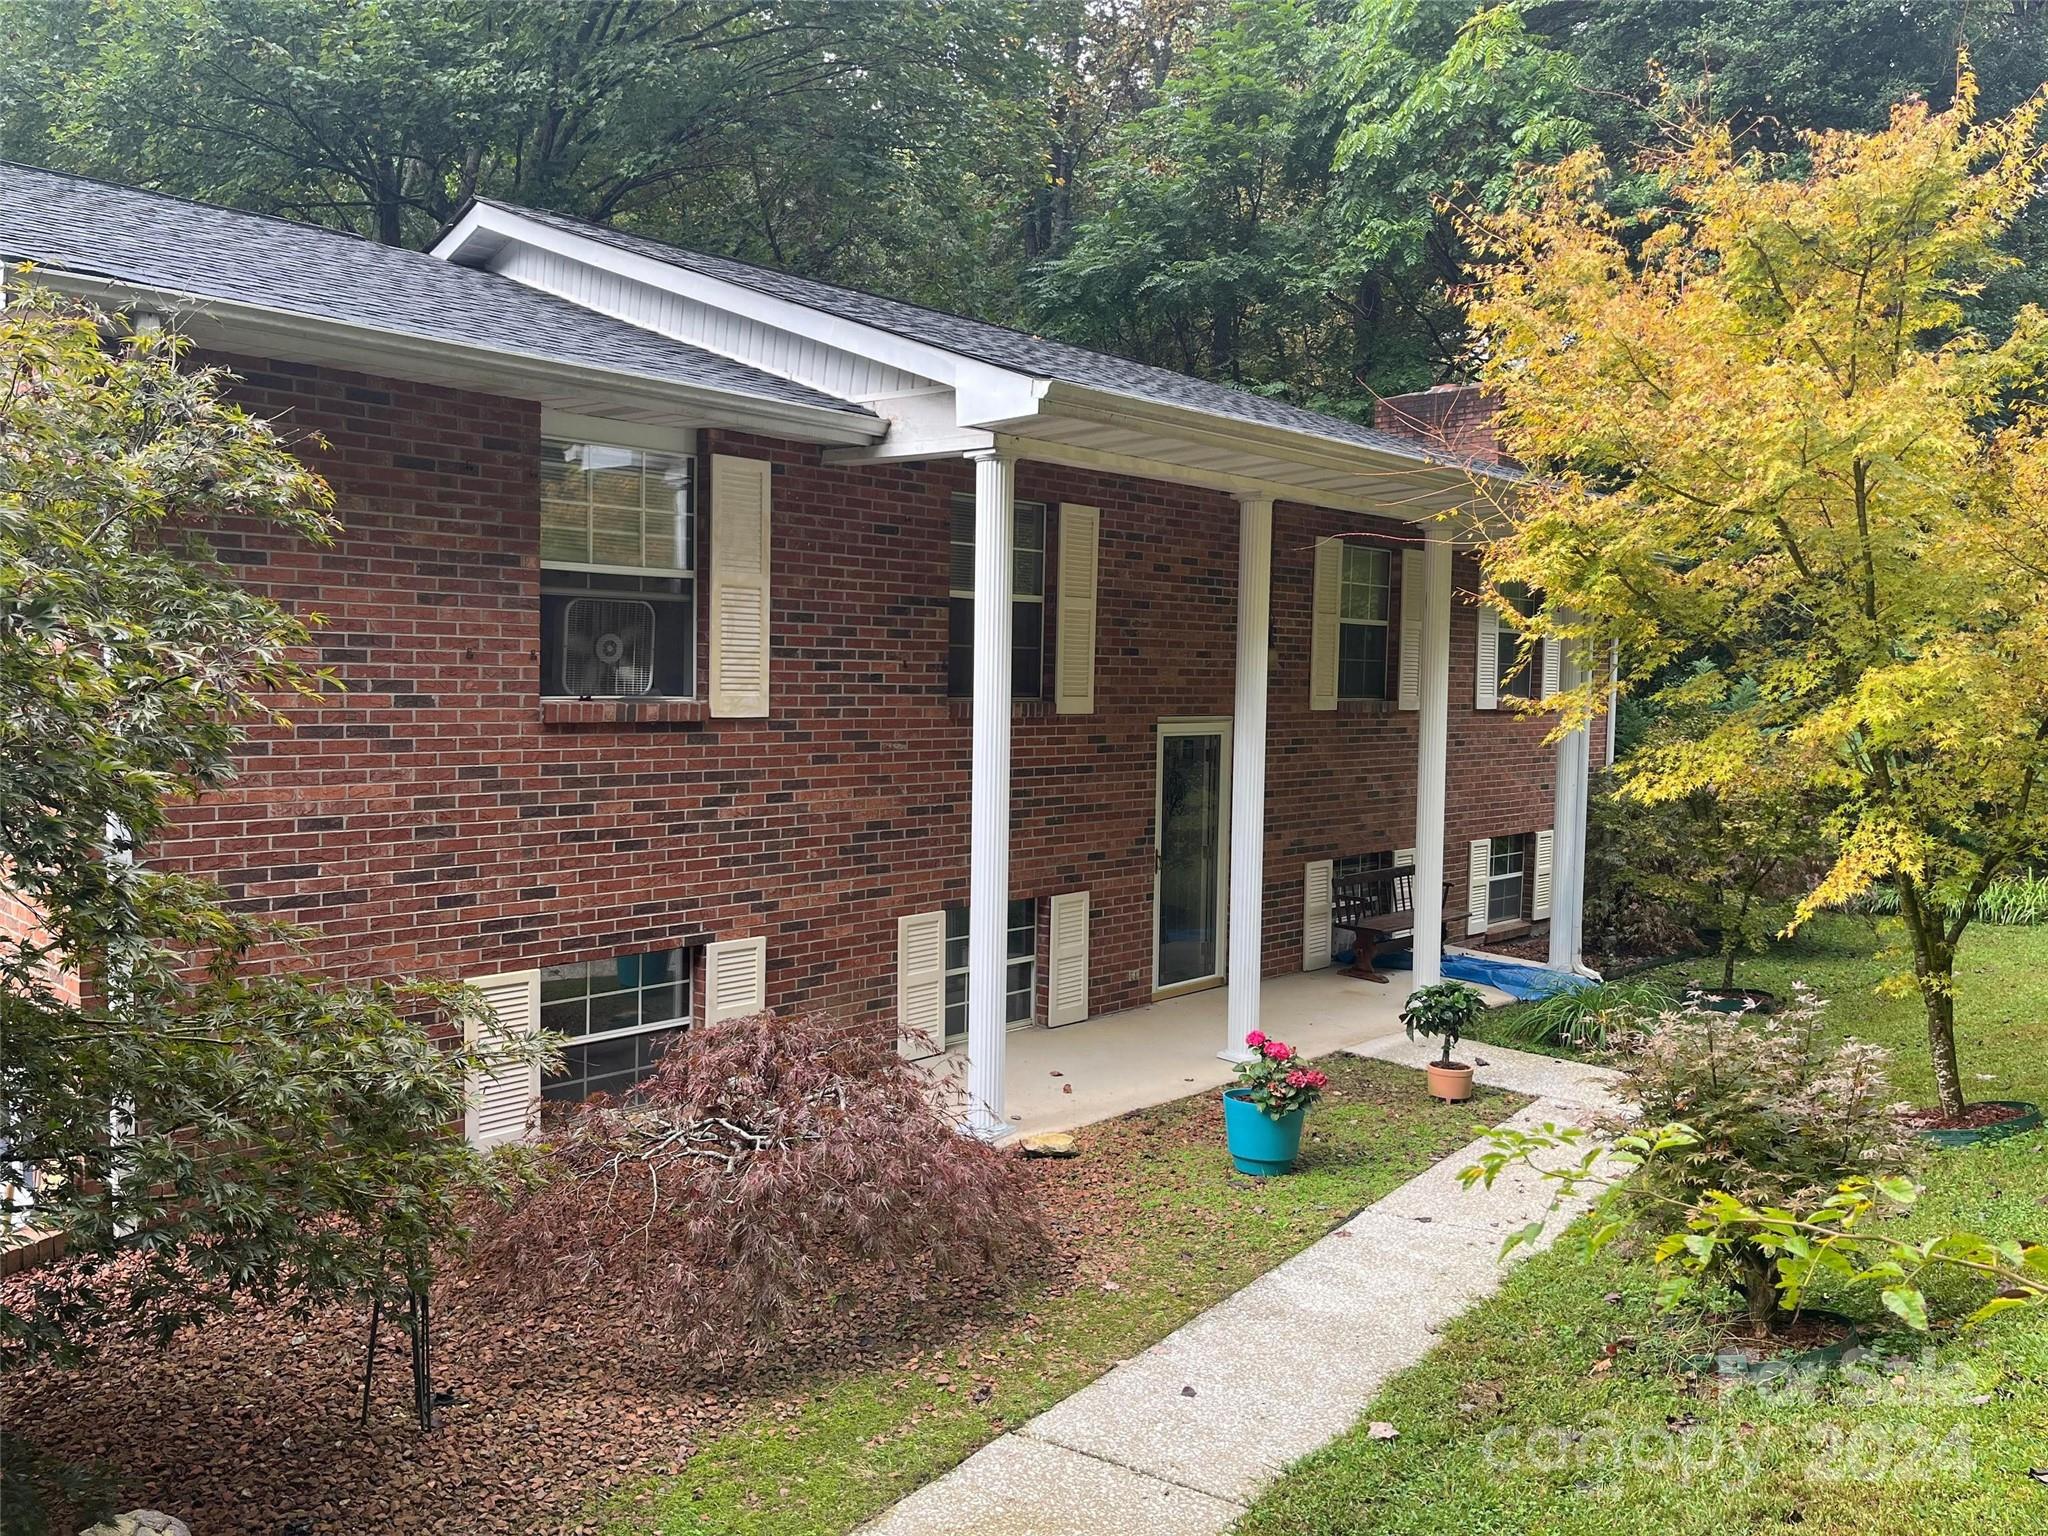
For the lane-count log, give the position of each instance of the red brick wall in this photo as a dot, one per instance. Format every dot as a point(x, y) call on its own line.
point(1457, 418)
point(21, 927)
point(430, 820)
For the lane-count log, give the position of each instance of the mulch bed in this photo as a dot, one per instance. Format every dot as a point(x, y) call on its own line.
point(249, 1426)
point(1973, 1118)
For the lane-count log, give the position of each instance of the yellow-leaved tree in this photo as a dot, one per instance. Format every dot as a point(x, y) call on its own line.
point(1761, 432)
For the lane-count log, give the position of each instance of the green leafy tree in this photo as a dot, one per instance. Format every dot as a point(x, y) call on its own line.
point(830, 138)
point(1730, 861)
point(222, 1127)
point(1275, 218)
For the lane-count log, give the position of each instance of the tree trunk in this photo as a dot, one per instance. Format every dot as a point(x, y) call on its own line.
point(1757, 1279)
point(1941, 1042)
point(1934, 972)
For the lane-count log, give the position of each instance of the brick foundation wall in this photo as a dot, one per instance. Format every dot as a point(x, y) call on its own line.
point(434, 819)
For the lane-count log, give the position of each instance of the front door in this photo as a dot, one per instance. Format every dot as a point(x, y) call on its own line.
point(1191, 824)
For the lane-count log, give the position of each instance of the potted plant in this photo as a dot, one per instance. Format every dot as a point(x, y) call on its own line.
point(1446, 1010)
point(1264, 1109)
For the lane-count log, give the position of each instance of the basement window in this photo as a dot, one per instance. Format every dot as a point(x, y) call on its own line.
point(617, 1016)
point(1505, 880)
point(1020, 973)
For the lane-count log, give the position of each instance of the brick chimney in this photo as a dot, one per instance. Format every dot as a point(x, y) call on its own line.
point(1453, 418)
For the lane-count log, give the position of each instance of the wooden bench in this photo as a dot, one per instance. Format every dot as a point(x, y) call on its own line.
point(1378, 906)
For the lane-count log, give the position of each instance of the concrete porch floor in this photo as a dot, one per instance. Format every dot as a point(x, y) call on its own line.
point(1167, 1050)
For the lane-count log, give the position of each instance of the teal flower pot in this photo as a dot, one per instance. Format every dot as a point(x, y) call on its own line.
point(1260, 1145)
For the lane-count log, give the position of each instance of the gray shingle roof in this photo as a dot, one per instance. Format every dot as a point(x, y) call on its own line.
point(1037, 356)
point(146, 238)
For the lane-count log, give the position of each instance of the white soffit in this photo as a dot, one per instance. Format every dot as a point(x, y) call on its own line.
point(940, 403)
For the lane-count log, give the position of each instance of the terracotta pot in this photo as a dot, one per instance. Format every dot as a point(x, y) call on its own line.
point(1452, 1084)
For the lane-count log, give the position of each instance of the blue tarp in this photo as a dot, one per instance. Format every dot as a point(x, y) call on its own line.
point(1519, 981)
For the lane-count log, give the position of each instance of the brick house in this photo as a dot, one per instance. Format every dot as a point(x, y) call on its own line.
point(717, 639)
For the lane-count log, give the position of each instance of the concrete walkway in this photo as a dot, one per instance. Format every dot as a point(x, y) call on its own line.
point(1178, 1441)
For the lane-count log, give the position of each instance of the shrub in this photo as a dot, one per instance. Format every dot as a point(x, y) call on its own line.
point(1777, 1119)
point(1276, 1080)
point(2017, 900)
point(766, 1160)
point(1586, 1018)
point(1445, 1009)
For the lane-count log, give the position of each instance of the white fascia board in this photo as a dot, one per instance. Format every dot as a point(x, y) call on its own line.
point(983, 391)
point(517, 375)
point(1081, 403)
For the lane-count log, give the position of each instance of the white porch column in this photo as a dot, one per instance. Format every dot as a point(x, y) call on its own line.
point(988, 911)
point(1248, 773)
point(1568, 837)
point(1432, 755)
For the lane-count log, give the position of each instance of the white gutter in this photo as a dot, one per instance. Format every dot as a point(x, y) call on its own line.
point(1217, 430)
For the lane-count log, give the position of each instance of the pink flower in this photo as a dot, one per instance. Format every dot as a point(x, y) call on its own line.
point(1297, 1078)
point(1278, 1051)
point(1255, 1039)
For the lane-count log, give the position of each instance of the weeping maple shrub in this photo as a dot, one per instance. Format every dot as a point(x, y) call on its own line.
point(769, 1165)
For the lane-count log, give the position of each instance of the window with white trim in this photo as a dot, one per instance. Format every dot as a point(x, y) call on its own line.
point(1365, 604)
point(617, 1015)
point(1027, 601)
point(1520, 677)
point(1020, 970)
point(1507, 867)
point(618, 573)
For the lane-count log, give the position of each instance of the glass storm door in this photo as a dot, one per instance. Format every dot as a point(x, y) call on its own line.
point(1192, 815)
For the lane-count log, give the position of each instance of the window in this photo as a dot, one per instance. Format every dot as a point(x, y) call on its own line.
point(1527, 682)
point(1021, 977)
point(1027, 601)
point(1504, 880)
point(618, 1015)
point(1376, 898)
point(617, 579)
point(1362, 613)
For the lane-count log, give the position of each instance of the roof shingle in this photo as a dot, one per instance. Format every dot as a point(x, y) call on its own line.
point(146, 238)
point(1002, 346)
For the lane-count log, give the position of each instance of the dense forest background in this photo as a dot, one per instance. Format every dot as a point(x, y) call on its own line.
point(1251, 191)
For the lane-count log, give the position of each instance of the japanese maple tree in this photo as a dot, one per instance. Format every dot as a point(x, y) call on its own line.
point(1762, 431)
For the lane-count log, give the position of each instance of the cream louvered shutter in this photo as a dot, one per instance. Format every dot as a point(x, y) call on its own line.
point(1553, 667)
point(921, 984)
point(1316, 881)
point(1539, 885)
point(1073, 688)
point(740, 608)
point(735, 979)
point(1067, 990)
point(1404, 858)
point(1410, 685)
point(1476, 884)
point(501, 1103)
point(1486, 691)
point(1323, 611)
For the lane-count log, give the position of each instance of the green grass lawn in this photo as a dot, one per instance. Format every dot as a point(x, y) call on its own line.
point(1189, 1231)
point(1564, 1404)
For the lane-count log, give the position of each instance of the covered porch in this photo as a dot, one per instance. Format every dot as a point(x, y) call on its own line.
point(1056, 1079)
point(1181, 1043)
